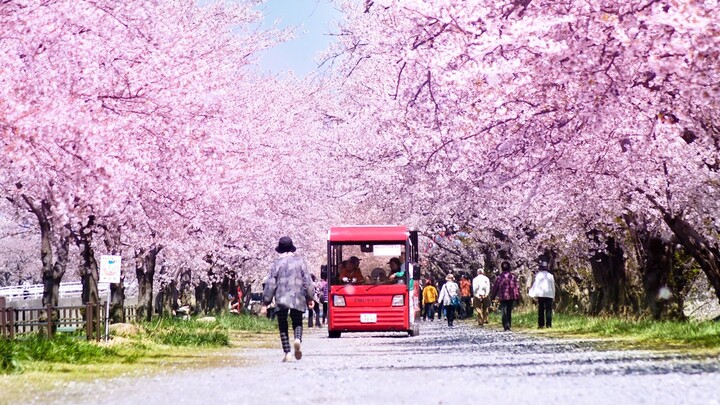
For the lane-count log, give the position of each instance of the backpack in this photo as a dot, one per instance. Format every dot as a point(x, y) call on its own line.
point(454, 299)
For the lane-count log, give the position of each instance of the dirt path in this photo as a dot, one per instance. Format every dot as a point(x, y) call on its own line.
point(449, 366)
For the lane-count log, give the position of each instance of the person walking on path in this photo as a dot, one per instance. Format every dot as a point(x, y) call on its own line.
point(481, 296)
point(543, 289)
point(315, 308)
point(507, 290)
point(440, 310)
point(430, 297)
point(324, 295)
point(465, 297)
point(289, 283)
point(449, 296)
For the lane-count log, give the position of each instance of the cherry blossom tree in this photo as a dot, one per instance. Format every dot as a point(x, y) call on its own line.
point(558, 118)
point(573, 131)
point(97, 92)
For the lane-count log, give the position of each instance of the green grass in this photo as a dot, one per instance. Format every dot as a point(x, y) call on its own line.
point(164, 345)
point(192, 332)
point(247, 323)
point(649, 333)
point(16, 356)
point(173, 332)
point(61, 349)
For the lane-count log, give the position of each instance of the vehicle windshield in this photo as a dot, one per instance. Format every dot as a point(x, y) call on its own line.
point(385, 264)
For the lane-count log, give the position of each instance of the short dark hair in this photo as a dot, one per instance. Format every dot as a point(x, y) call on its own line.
point(505, 266)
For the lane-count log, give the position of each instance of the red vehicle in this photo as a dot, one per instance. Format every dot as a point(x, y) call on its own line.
point(367, 292)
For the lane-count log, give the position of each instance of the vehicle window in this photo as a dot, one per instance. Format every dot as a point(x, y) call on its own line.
point(358, 267)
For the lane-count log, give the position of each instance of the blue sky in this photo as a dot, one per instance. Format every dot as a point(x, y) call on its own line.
point(313, 21)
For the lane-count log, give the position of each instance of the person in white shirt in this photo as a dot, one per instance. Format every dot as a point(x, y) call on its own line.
point(481, 296)
point(450, 298)
point(543, 289)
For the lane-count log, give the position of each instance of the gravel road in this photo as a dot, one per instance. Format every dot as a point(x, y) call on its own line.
point(442, 366)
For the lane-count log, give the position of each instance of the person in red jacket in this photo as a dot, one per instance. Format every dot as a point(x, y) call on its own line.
point(507, 290)
point(465, 297)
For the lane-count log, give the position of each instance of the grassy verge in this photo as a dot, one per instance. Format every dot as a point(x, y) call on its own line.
point(35, 365)
point(624, 333)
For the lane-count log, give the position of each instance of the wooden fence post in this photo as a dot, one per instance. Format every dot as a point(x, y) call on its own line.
point(3, 315)
point(98, 322)
point(11, 321)
point(49, 311)
point(88, 321)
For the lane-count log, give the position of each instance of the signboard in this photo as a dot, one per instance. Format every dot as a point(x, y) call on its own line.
point(387, 250)
point(110, 269)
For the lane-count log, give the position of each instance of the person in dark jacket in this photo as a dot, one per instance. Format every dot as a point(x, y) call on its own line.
point(317, 296)
point(507, 290)
point(289, 283)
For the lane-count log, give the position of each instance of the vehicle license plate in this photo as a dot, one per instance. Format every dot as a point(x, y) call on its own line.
point(368, 318)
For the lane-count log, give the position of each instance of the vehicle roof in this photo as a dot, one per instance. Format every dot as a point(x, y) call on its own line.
point(368, 233)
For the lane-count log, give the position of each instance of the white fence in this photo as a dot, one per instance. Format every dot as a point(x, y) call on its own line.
point(35, 291)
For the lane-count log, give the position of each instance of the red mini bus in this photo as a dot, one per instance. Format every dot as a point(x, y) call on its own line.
point(372, 276)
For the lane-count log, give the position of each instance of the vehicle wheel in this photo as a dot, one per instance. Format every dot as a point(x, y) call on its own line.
point(415, 331)
point(333, 334)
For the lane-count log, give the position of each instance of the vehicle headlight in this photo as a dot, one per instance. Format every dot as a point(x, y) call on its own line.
point(338, 301)
point(398, 300)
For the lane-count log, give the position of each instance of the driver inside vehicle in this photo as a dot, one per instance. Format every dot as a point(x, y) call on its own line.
point(350, 271)
point(397, 274)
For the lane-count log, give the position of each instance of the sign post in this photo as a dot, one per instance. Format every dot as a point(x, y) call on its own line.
point(110, 267)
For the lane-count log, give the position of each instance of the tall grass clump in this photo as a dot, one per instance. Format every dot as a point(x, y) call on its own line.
point(8, 357)
point(178, 332)
point(247, 323)
point(60, 349)
point(192, 332)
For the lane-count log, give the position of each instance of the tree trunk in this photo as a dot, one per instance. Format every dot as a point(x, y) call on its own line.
point(663, 268)
point(699, 247)
point(117, 301)
point(52, 273)
point(89, 271)
point(213, 297)
point(169, 300)
point(246, 288)
point(222, 302)
point(186, 292)
point(655, 271)
point(145, 272)
point(201, 298)
point(611, 294)
point(51, 280)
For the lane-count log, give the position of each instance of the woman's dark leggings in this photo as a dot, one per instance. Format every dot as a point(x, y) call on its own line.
point(296, 318)
point(545, 312)
point(506, 308)
point(324, 315)
point(450, 313)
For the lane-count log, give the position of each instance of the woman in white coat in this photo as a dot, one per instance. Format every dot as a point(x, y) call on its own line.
point(450, 298)
point(543, 289)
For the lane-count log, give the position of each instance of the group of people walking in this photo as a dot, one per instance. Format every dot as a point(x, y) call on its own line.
point(294, 290)
point(460, 300)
